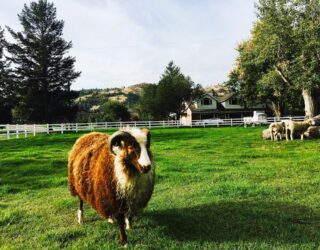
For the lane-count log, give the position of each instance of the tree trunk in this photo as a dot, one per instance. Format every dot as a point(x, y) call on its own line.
point(277, 108)
point(308, 103)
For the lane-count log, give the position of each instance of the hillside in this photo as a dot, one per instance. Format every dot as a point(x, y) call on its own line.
point(91, 100)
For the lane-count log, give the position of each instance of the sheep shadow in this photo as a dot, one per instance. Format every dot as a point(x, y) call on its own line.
point(240, 221)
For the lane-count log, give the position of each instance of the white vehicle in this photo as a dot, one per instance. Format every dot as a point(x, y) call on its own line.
point(209, 122)
point(259, 117)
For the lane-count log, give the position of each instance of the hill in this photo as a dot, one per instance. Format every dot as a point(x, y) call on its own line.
point(91, 100)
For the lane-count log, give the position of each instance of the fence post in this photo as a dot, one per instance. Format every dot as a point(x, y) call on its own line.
point(76, 127)
point(149, 124)
point(191, 124)
point(61, 128)
point(163, 125)
point(106, 124)
point(8, 131)
point(47, 128)
point(34, 129)
point(231, 122)
point(17, 130)
point(25, 131)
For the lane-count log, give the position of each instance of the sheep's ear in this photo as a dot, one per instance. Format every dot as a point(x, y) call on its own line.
point(116, 141)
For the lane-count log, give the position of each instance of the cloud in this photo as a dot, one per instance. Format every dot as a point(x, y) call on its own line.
point(118, 43)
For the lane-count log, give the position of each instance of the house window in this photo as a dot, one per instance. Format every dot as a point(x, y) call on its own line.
point(234, 101)
point(206, 101)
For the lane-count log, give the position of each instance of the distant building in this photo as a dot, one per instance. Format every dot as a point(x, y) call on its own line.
point(219, 103)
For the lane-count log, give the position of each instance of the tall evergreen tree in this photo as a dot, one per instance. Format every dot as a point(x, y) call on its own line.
point(175, 91)
point(6, 84)
point(44, 70)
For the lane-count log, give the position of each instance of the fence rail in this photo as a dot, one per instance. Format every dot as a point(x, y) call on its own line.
point(9, 131)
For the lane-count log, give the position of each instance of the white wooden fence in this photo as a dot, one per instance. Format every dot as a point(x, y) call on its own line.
point(24, 130)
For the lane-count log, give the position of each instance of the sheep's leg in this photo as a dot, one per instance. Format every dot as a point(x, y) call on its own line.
point(80, 212)
point(302, 136)
point(291, 134)
point(128, 221)
point(122, 232)
point(287, 134)
point(271, 134)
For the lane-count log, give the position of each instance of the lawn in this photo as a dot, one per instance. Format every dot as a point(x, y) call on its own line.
point(216, 188)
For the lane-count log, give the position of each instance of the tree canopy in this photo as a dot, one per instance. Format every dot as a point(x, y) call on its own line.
point(114, 111)
point(280, 61)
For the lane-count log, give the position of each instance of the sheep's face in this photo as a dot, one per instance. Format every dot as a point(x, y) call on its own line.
point(133, 147)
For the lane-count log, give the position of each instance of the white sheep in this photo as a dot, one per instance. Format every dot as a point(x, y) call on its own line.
point(297, 128)
point(276, 130)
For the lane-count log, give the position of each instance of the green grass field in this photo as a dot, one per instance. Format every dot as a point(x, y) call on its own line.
point(216, 188)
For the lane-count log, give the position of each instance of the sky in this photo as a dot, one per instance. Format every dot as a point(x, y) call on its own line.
point(123, 42)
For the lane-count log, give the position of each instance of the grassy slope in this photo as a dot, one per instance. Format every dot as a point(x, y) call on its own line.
point(216, 188)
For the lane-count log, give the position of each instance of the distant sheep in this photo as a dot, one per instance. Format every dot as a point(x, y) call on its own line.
point(266, 134)
point(114, 174)
point(297, 128)
point(277, 129)
point(312, 132)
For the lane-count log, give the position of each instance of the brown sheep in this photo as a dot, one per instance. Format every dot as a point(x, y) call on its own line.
point(114, 174)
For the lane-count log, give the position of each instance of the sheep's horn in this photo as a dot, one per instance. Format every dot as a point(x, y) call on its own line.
point(116, 138)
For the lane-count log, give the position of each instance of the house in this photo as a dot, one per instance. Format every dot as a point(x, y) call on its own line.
point(218, 102)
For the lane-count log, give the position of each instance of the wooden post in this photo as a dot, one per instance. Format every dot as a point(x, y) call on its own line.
point(106, 124)
point(61, 128)
point(8, 131)
point(149, 124)
point(47, 128)
point(76, 127)
point(34, 129)
point(25, 131)
point(17, 130)
point(163, 124)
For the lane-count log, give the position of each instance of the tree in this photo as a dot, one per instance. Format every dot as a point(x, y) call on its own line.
point(148, 107)
point(173, 94)
point(44, 70)
point(114, 111)
point(292, 42)
point(283, 51)
point(307, 15)
point(7, 85)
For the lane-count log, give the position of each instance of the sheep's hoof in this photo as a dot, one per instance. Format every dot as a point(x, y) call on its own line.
point(128, 224)
point(125, 245)
point(110, 220)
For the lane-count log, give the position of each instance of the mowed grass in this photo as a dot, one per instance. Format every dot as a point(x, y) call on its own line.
point(216, 188)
